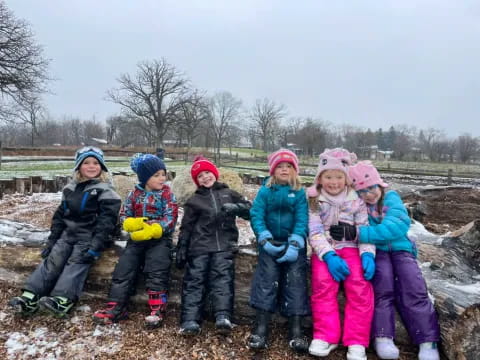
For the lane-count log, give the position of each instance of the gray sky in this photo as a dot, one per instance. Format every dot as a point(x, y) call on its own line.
point(370, 63)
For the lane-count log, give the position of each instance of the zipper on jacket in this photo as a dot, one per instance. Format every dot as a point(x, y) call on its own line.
point(84, 201)
point(216, 211)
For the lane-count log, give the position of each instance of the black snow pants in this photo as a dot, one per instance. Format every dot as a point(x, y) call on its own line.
point(154, 256)
point(213, 273)
point(63, 272)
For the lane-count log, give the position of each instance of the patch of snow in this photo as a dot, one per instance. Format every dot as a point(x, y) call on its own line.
point(467, 289)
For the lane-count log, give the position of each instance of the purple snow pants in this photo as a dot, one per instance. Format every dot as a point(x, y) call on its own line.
point(398, 282)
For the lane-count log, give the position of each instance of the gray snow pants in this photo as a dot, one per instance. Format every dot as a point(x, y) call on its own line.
point(62, 273)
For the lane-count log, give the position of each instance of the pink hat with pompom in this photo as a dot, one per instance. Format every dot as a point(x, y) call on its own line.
point(282, 155)
point(364, 175)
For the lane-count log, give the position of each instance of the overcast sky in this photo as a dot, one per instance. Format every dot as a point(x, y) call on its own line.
point(370, 63)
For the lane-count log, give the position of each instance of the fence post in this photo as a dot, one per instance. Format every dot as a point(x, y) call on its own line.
point(1, 154)
point(449, 178)
point(236, 158)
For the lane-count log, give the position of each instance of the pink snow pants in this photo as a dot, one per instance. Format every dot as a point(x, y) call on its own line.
point(359, 302)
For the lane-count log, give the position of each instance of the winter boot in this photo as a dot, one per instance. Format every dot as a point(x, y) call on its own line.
point(223, 324)
point(25, 304)
point(112, 313)
point(428, 351)
point(190, 328)
point(157, 300)
point(57, 305)
point(296, 341)
point(321, 348)
point(385, 348)
point(258, 339)
point(356, 352)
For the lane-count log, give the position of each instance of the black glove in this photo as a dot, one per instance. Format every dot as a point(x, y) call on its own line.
point(230, 208)
point(181, 257)
point(45, 251)
point(343, 231)
point(90, 256)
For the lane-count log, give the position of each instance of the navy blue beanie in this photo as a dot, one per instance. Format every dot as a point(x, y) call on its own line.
point(89, 151)
point(145, 166)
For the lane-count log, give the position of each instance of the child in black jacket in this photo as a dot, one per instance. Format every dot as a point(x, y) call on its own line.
point(81, 224)
point(207, 244)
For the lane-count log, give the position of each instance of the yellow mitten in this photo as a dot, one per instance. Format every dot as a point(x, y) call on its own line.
point(134, 223)
point(148, 232)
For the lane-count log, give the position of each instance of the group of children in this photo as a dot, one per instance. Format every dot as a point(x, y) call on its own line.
point(356, 228)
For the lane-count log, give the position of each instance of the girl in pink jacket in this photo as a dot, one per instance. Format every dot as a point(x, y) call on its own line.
point(335, 211)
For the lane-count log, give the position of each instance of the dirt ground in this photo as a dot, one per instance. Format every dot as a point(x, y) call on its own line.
point(448, 210)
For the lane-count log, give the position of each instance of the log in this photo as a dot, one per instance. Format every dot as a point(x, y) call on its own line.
point(449, 264)
point(450, 267)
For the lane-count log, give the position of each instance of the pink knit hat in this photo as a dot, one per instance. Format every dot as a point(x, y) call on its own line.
point(282, 155)
point(364, 175)
point(332, 159)
point(335, 159)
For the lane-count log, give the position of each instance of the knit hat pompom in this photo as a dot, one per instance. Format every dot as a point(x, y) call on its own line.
point(200, 163)
point(282, 155)
point(145, 166)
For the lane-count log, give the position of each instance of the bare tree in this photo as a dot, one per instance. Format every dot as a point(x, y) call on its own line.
point(467, 147)
point(23, 69)
point(266, 115)
point(223, 111)
point(153, 96)
point(192, 114)
point(27, 110)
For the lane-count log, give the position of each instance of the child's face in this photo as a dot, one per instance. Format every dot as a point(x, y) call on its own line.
point(333, 181)
point(371, 195)
point(283, 172)
point(156, 181)
point(206, 179)
point(90, 168)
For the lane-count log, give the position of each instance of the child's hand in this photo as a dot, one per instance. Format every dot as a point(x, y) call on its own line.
point(343, 231)
point(295, 243)
point(134, 223)
point(336, 265)
point(368, 265)
point(148, 232)
point(271, 249)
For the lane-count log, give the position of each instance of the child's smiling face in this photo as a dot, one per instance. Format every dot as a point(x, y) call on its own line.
point(206, 179)
point(156, 181)
point(90, 168)
point(333, 181)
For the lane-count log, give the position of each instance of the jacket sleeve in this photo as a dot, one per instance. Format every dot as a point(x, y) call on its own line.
point(170, 212)
point(58, 225)
point(394, 225)
point(244, 205)
point(190, 217)
point(258, 211)
point(109, 206)
point(361, 218)
point(127, 209)
point(317, 238)
point(300, 226)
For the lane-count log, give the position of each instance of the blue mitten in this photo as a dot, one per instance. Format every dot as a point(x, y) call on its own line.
point(295, 243)
point(264, 240)
point(336, 265)
point(368, 265)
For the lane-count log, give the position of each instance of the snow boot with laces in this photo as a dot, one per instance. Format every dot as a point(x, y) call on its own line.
point(258, 339)
point(25, 304)
point(112, 313)
point(296, 341)
point(157, 300)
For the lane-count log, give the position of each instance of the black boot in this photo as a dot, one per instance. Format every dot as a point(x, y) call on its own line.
point(258, 339)
point(296, 340)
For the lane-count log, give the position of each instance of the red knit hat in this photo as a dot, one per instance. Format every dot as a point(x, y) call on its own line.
point(200, 164)
point(282, 155)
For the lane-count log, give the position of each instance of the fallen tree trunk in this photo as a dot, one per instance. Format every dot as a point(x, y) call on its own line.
point(449, 264)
